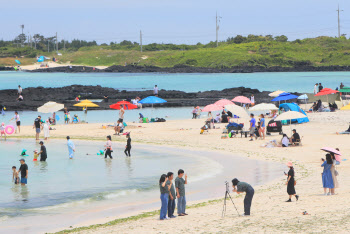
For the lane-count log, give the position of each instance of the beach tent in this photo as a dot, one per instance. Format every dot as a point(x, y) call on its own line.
point(41, 59)
point(284, 97)
point(294, 107)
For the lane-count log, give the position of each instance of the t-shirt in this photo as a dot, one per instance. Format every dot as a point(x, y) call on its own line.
point(253, 121)
point(2, 128)
point(315, 89)
point(17, 118)
point(291, 173)
point(285, 141)
point(19, 90)
point(121, 114)
point(262, 122)
point(37, 123)
point(163, 189)
point(296, 136)
point(172, 189)
point(155, 90)
point(320, 88)
point(128, 142)
point(43, 154)
point(180, 184)
point(23, 168)
point(243, 186)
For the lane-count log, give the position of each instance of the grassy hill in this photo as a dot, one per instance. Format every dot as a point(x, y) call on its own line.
point(321, 51)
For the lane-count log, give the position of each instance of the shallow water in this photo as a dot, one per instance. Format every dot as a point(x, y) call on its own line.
point(287, 81)
point(90, 188)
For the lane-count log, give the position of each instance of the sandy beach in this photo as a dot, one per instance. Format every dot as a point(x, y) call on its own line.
point(52, 65)
point(270, 212)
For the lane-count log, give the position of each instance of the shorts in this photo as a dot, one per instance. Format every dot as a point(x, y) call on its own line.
point(18, 123)
point(35, 159)
point(16, 180)
point(120, 120)
point(37, 130)
point(23, 180)
point(252, 131)
point(262, 129)
point(71, 155)
point(3, 132)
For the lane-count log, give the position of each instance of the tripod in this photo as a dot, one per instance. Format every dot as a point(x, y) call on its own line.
point(227, 194)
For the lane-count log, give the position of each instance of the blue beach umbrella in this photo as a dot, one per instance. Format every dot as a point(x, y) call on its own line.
point(284, 97)
point(152, 100)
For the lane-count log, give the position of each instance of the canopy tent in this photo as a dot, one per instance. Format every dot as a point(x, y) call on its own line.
point(284, 97)
point(242, 99)
point(40, 59)
point(295, 108)
point(345, 90)
point(263, 107)
point(126, 105)
point(276, 93)
point(50, 107)
point(237, 110)
point(223, 102)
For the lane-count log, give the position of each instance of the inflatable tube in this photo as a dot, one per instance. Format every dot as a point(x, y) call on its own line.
point(9, 129)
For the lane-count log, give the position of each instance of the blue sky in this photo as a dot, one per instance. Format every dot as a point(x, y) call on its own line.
point(176, 21)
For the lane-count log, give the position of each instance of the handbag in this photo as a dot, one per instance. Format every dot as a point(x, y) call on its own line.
point(295, 182)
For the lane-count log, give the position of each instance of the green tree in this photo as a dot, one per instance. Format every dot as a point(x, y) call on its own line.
point(281, 38)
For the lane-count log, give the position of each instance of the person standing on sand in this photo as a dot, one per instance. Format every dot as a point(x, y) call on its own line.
point(327, 179)
point(172, 196)
point(252, 127)
point(128, 145)
point(320, 87)
point(24, 172)
point(341, 85)
point(18, 122)
point(248, 189)
point(262, 127)
point(291, 183)
point(315, 88)
point(43, 153)
point(252, 100)
point(180, 192)
point(164, 196)
point(334, 174)
point(155, 91)
point(37, 126)
point(109, 147)
point(71, 147)
point(121, 114)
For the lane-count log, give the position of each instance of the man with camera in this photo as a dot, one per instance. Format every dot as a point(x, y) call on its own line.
point(241, 187)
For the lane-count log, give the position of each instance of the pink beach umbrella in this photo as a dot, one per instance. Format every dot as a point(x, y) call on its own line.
point(212, 107)
point(223, 102)
point(336, 153)
point(242, 99)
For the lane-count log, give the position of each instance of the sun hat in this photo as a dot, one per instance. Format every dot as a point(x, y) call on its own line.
point(35, 151)
point(289, 164)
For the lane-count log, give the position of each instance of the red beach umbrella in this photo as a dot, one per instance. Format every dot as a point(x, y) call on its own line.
point(125, 104)
point(326, 91)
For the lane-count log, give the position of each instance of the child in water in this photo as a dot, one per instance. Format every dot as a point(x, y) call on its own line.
point(36, 155)
point(15, 177)
point(2, 130)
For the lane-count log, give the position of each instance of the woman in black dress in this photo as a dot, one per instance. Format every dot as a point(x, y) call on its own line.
point(290, 183)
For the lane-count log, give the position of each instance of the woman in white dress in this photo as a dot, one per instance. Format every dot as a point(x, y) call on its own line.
point(46, 129)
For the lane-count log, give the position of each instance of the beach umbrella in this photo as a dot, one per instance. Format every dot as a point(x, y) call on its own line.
point(263, 107)
point(303, 97)
point(336, 153)
point(212, 107)
point(152, 100)
point(289, 115)
point(86, 105)
point(276, 93)
point(237, 110)
point(126, 105)
point(17, 61)
point(326, 91)
point(223, 102)
point(85, 101)
point(50, 107)
point(284, 97)
point(242, 99)
point(347, 107)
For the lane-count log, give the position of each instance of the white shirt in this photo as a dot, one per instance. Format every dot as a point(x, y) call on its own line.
point(285, 141)
point(155, 90)
point(17, 118)
point(315, 89)
point(252, 99)
point(19, 90)
point(121, 114)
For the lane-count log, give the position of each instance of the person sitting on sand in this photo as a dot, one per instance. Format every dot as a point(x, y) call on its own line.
point(295, 139)
point(285, 140)
point(217, 118)
point(119, 127)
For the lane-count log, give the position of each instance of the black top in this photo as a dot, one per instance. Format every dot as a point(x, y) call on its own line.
point(229, 113)
point(43, 154)
point(296, 136)
point(320, 88)
point(128, 142)
point(291, 173)
point(23, 168)
point(37, 123)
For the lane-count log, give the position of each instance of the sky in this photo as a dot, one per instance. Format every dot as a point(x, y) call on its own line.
point(176, 21)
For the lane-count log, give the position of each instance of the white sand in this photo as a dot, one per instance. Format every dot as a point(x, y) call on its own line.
point(52, 65)
point(270, 212)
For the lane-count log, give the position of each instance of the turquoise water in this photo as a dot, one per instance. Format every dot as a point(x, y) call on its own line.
point(288, 81)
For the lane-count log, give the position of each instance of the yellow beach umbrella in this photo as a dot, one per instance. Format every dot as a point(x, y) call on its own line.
point(86, 104)
point(276, 93)
point(347, 107)
point(85, 101)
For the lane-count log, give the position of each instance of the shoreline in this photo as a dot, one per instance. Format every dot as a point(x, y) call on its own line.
point(318, 133)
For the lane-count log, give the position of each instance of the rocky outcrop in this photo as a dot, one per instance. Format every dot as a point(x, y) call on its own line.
point(35, 97)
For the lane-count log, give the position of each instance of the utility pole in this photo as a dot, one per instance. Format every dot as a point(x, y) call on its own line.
point(339, 21)
point(56, 43)
point(217, 29)
point(141, 40)
point(64, 45)
point(48, 46)
point(22, 27)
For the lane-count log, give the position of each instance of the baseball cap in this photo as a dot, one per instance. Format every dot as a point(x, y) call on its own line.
point(22, 160)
